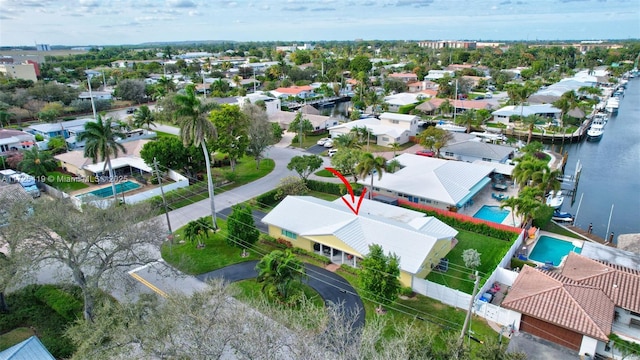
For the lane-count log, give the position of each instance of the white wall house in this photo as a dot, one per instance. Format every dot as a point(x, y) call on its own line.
point(389, 129)
point(547, 110)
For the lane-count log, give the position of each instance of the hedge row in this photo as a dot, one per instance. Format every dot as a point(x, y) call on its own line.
point(60, 301)
point(268, 199)
point(333, 188)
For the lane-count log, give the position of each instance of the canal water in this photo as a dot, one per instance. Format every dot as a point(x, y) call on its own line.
point(610, 172)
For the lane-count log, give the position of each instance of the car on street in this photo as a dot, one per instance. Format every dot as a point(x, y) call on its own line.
point(332, 152)
point(322, 141)
point(131, 110)
point(428, 153)
point(328, 143)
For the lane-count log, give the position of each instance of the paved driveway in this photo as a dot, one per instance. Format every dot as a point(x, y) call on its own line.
point(317, 149)
point(331, 287)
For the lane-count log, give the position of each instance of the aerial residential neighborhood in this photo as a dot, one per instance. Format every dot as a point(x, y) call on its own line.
point(435, 199)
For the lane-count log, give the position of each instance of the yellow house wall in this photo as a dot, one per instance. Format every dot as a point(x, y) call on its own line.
point(439, 250)
point(299, 242)
point(332, 241)
point(405, 278)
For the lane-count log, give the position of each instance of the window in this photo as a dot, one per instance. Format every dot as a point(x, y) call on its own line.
point(447, 153)
point(289, 234)
point(385, 139)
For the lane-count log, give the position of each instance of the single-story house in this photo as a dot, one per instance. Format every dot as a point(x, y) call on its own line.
point(63, 128)
point(579, 305)
point(294, 91)
point(405, 77)
point(333, 230)
point(554, 91)
point(546, 110)
point(14, 140)
point(396, 101)
point(126, 163)
point(389, 129)
point(439, 74)
point(423, 85)
point(272, 105)
point(439, 183)
point(319, 122)
point(473, 148)
point(462, 105)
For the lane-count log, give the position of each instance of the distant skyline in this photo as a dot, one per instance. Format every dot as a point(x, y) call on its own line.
point(130, 22)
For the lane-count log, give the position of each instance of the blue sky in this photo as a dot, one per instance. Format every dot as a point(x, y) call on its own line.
point(112, 22)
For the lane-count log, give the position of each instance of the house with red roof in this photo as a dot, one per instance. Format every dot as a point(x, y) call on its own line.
point(303, 92)
point(579, 305)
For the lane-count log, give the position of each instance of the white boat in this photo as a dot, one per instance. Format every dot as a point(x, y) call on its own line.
point(596, 130)
point(555, 199)
point(451, 127)
point(612, 105)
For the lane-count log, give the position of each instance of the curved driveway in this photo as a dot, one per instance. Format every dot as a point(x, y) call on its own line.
point(331, 287)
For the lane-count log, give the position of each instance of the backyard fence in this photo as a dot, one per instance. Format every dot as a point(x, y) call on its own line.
point(180, 182)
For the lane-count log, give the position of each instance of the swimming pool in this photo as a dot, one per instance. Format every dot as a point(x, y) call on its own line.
point(491, 213)
point(548, 248)
point(107, 191)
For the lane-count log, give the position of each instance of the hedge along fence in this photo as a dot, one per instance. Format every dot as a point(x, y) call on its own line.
point(466, 222)
point(333, 188)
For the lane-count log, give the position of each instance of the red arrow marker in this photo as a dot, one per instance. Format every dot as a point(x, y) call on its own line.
point(350, 189)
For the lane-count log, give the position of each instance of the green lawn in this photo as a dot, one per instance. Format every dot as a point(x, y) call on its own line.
point(64, 182)
point(323, 196)
point(458, 276)
point(161, 134)
point(250, 289)
point(560, 230)
point(14, 336)
point(324, 173)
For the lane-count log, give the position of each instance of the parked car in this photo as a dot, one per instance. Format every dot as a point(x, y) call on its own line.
point(328, 143)
point(428, 153)
point(488, 95)
point(332, 152)
point(322, 141)
point(480, 97)
point(131, 110)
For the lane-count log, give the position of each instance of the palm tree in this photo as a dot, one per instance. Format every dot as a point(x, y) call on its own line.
point(566, 103)
point(467, 119)
point(197, 230)
point(547, 179)
point(395, 147)
point(37, 163)
point(530, 121)
point(526, 169)
point(100, 143)
point(196, 129)
point(369, 165)
point(346, 141)
point(513, 204)
point(278, 270)
point(143, 116)
point(446, 107)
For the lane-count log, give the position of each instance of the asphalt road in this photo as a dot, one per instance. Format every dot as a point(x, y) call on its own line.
point(332, 288)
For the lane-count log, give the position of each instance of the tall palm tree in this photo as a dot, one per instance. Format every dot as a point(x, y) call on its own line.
point(566, 103)
point(143, 116)
point(278, 270)
point(525, 170)
point(467, 119)
point(196, 129)
point(369, 165)
point(547, 179)
point(197, 231)
point(346, 141)
point(37, 163)
point(530, 121)
point(100, 143)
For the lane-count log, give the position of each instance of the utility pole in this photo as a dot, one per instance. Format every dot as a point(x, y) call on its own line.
point(164, 202)
point(93, 105)
point(467, 319)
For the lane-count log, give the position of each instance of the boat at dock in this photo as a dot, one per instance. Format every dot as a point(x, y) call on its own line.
point(612, 105)
point(562, 216)
point(451, 127)
point(596, 130)
point(555, 199)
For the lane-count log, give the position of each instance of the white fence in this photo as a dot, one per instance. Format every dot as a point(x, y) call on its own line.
point(461, 300)
point(180, 182)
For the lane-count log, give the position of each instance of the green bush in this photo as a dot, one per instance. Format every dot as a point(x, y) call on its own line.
point(333, 188)
point(406, 109)
point(323, 259)
point(350, 269)
point(39, 137)
point(517, 263)
point(60, 301)
point(268, 199)
point(406, 291)
point(543, 216)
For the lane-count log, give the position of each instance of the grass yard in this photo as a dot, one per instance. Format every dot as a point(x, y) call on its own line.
point(323, 196)
point(250, 289)
point(64, 182)
point(432, 315)
point(324, 173)
point(560, 230)
point(14, 336)
point(160, 134)
point(458, 276)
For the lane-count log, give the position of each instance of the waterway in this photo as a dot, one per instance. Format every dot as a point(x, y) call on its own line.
point(610, 172)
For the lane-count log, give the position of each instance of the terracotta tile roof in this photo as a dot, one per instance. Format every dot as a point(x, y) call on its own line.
point(561, 301)
point(294, 90)
point(621, 284)
point(463, 104)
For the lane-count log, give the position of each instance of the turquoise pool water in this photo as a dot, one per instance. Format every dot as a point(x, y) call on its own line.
point(491, 213)
point(108, 192)
point(548, 248)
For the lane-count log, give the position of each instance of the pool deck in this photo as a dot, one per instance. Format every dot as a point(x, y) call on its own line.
point(483, 197)
point(527, 248)
point(95, 187)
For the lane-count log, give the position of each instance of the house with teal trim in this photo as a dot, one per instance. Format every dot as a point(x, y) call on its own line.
point(333, 230)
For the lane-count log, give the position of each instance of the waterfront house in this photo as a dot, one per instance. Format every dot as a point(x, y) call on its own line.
point(333, 230)
point(396, 101)
point(404, 77)
point(545, 110)
point(579, 305)
point(319, 122)
point(438, 183)
point(470, 148)
point(302, 92)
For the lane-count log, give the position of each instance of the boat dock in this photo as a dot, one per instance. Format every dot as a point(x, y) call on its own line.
point(592, 237)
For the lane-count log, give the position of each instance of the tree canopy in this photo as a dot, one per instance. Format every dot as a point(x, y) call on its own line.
point(379, 275)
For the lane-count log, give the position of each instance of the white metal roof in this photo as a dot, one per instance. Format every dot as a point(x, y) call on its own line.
point(411, 240)
point(445, 181)
point(399, 117)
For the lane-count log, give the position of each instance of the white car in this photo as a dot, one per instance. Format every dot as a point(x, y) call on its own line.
point(328, 143)
point(332, 152)
point(322, 141)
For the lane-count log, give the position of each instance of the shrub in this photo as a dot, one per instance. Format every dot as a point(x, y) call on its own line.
point(268, 199)
point(517, 263)
point(323, 259)
point(60, 301)
point(284, 242)
point(406, 291)
point(39, 137)
point(350, 269)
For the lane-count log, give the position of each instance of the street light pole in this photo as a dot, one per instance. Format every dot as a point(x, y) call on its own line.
point(93, 105)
